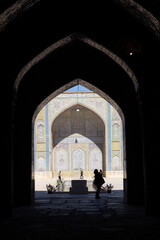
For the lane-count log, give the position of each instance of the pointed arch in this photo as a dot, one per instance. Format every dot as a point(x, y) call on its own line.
point(68, 40)
point(76, 124)
point(72, 84)
point(138, 11)
point(96, 150)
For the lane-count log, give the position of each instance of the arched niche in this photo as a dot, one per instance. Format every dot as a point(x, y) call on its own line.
point(77, 119)
point(78, 138)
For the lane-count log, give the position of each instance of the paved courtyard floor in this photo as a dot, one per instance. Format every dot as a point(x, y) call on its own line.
point(66, 216)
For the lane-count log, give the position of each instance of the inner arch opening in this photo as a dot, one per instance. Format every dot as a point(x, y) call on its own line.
point(78, 138)
point(78, 129)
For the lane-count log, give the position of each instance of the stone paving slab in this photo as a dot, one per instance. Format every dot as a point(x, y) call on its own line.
point(80, 217)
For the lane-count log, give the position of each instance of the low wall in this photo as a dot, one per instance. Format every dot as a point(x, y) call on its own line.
point(76, 174)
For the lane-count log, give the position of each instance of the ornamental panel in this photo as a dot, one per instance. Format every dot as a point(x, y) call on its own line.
point(41, 164)
point(115, 163)
point(78, 159)
point(40, 133)
point(95, 159)
point(115, 132)
point(61, 159)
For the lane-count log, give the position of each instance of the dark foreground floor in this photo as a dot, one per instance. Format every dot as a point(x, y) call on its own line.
point(65, 216)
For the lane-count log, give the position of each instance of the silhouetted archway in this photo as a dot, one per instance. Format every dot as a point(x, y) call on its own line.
point(126, 99)
point(68, 63)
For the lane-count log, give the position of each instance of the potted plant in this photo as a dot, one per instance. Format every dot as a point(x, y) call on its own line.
point(49, 188)
point(109, 187)
point(58, 182)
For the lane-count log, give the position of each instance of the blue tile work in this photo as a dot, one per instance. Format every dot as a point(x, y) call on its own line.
point(47, 136)
point(35, 148)
point(109, 135)
point(121, 145)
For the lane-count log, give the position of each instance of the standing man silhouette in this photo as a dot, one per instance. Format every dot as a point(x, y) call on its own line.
point(60, 176)
point(97, 182)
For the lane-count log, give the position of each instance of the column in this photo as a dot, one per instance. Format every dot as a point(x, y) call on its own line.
point(35, 148)
point(121, 124)
point(109, 136)
point(47, 137)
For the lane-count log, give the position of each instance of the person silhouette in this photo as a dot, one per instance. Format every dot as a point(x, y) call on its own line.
point(60, 176)
point(97, 182)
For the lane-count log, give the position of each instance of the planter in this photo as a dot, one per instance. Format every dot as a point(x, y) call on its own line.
point(49, 188)
point(109, 191)
point(109, 187)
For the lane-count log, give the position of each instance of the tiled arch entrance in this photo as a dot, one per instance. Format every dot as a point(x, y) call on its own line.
point(89, 139)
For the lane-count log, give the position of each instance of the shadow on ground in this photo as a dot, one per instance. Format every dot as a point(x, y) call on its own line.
point(65, 216)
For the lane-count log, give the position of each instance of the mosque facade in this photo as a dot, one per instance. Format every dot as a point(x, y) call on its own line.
point(78, 130)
